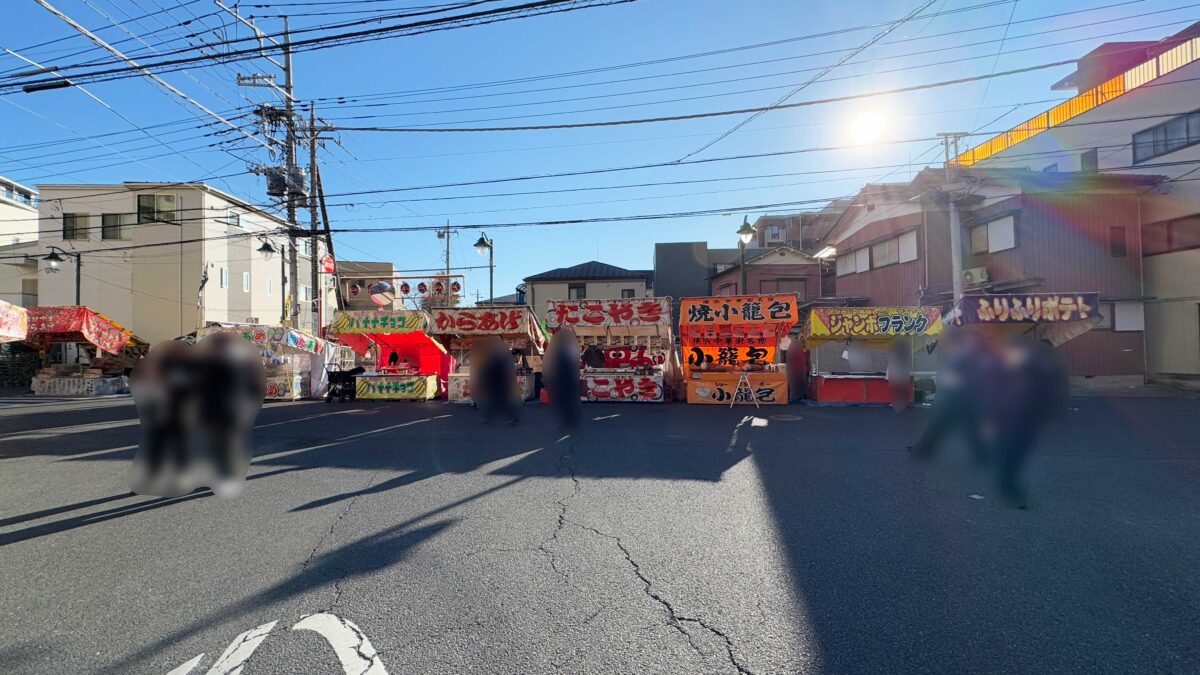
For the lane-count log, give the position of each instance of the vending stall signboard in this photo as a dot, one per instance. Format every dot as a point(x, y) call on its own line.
point(14, 322)
point(729, 348)
point(634, 338)
point(1054, 317)
point(410, 364)
point(458, 328)
point(872, 327)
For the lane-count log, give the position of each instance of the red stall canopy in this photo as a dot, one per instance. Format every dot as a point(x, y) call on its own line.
point(48, 325)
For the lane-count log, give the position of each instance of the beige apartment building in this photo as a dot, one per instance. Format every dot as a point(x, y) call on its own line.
point(165, 258)
point(589, 280)
point(18, 239)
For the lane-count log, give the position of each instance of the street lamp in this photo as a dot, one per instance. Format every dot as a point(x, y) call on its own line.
point(484, 246)
point(267, 251)
point(745, 233)
point(54, 259)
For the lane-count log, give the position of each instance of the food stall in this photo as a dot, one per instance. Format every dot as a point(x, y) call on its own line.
point(409, 364)
point(294, 361)
point(14, 322)
point(1053, 317)
point(84, 353)
point(634, 337)
point(730, 345)
point(836, 338)
point(456, 329)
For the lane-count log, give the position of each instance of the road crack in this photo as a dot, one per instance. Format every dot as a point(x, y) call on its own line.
point(561, 468)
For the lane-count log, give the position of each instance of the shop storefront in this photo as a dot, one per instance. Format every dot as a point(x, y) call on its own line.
point(409, 364)
point(295, 362)
point(83, 352)
point(458, 328)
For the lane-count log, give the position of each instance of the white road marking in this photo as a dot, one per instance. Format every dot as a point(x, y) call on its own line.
point(73, 429)
point(240, 650)
point(351, 646)
point(606, 417)
point(187, 667)
point(336, 441)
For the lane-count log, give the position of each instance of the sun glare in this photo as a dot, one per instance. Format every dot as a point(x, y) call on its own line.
point(867, 128)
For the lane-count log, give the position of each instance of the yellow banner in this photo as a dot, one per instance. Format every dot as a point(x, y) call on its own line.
point(396, 387)
point(378, 321)
point(872, 323)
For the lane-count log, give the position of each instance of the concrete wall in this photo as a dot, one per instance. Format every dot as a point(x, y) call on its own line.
point(1173, 317)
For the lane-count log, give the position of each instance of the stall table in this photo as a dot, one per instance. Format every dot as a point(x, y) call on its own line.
point(634, 337)
point(730, 344)
point(872, 327)
point(457, 329)
point(422, 364)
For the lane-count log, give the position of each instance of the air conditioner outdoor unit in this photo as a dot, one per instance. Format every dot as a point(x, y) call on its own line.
point(975, 276)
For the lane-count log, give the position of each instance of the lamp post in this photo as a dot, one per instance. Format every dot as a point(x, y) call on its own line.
point(54, 259)
point(745, 233)
point(484, 245)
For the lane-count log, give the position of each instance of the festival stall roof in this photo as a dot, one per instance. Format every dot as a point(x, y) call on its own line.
point(259, 334)
point(873, 325)
point(401, 331)
point(736, 319)
point(48, 325)
point(1054, 317)
point(624, 316)
point(505, 322)
point(14, 322)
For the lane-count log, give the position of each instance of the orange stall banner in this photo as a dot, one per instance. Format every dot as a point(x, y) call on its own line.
point(739, 309)
point(722, 389)
point(695, 356)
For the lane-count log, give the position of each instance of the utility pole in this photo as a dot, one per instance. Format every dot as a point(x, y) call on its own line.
point(318, 294)
point(445, 234)
point(956, 261)
point(290, 170)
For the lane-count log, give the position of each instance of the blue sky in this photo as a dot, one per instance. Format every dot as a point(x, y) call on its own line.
point(595, 38)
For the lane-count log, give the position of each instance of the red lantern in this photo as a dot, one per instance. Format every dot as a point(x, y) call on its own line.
point(422, 288)
point(438, 288)
point(455, 287)
point(405, 288)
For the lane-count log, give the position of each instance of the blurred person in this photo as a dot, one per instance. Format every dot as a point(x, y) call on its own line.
point(1034, 391)
point(160, 385)
point(899, 372)
point(561, 378)
point(962, 382)
point(230, 393)
point(495, 375)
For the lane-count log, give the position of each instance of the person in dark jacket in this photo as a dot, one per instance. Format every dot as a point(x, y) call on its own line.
point(561, 378)
point(497, 382)
point(962, 388)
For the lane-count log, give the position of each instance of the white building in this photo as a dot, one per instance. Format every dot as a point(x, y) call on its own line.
point(1136, 110)
point(18, 237)
point(145, 248)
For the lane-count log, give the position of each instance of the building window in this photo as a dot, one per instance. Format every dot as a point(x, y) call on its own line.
point(727, 289)
point(885, 253)
point(1089, 161)
point(306, 247)
point(1116, 242)
point(576, 291)
point(908, 247)
point(1106, 316)
point(8, 192)
point(979, 239)
point(1174, 134)
point(628, 293)
point(224, 278)
point(862, 259)
point(845, 264)
point(74, 226)
point(998, 235)
point(1128, 316)
point(270, 285)
point(305, 294)
point(233, 218)
point(1170, 236)
point(772, 231)
point(157, 208)
point(245, 282)
point(112, 226)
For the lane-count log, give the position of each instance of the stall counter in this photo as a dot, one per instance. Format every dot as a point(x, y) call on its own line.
point(853, 388)
point(396, 387)
point(721, 388)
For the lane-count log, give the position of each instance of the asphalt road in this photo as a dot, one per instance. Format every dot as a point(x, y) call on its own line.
point(409, 538)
